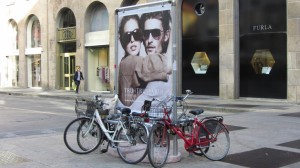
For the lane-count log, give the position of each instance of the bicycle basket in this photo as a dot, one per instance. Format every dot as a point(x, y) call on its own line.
point(158, 111)
point(87, 107)
point(80, 106)
point(91, 107)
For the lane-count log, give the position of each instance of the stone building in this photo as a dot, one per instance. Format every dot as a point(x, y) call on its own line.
point(226, 48)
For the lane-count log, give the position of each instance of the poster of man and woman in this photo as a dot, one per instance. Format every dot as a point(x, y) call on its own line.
point(144, 55)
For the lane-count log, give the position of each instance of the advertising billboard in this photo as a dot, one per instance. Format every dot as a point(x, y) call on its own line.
point(144, 54)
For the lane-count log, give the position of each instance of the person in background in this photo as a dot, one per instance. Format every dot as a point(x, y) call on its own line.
point(77, 78)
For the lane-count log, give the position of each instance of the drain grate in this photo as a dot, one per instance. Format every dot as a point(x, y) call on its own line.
point(10, 158)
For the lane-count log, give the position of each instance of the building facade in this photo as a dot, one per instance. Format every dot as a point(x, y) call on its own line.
point(226, 48)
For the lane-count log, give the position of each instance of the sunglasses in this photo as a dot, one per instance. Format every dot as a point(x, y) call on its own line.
point(137, 35)
point(156, 33)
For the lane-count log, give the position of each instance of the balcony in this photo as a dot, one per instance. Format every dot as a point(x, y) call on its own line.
point(66, 34)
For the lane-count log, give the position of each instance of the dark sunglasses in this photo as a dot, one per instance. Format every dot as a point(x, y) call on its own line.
point(156, 33)
point(137, 35)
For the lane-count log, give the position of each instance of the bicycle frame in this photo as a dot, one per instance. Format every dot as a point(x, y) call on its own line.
point(107, 132)
point(191, 139)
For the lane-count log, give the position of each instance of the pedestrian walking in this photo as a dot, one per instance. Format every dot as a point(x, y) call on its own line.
point(77, 78)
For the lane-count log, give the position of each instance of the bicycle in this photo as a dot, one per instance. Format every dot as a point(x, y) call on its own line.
point(208, 135)
point(182, 104)
point(119, 130)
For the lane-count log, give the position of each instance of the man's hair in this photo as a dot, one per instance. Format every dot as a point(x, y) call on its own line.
point(124, 20)
point(164, 17)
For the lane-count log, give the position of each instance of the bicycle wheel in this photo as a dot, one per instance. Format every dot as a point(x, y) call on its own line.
point(158, 145)
point(216, 141)
point(82, 136)
point(142, 133)
point(130, 147)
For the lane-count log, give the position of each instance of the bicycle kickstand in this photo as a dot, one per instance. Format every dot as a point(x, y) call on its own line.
point(104, 150)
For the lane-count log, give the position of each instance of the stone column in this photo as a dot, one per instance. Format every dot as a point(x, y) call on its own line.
point(228, 34)
point(293, 49)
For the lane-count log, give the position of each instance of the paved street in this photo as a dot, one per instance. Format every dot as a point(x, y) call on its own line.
point(263, 134)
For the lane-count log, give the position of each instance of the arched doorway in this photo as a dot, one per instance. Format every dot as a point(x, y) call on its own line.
point(33, 52)
point(97, 47)
point(10, 69)
point(66, 37)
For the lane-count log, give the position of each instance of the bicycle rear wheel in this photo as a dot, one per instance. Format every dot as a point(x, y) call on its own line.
point(82, 136)
point(158, 145)
point(217, 145)
point(131, 146)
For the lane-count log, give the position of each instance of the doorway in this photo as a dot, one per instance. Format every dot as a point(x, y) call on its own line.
point(67, 66)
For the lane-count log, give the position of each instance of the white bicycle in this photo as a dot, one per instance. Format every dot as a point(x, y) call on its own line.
point(84, 134)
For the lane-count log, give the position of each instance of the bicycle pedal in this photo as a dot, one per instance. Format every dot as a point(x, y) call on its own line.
point(103, 150)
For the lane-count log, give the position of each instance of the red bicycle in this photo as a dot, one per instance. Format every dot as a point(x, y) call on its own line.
point(207, 136)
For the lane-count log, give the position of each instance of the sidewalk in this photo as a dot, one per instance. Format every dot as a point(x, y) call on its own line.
point(263, 133)
point(211, 103)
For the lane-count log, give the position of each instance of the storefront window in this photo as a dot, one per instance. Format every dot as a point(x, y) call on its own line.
point(13, 41)
point(200, 62)
point(36, 34)
point(34, 70)
point(262, 61)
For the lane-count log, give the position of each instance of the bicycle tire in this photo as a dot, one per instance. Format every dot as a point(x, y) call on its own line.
point(158, 145)
point(219, 141)
point(132, 150)
point(74, 139)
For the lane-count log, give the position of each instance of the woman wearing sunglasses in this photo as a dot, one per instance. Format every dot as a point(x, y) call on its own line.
point(130, 84)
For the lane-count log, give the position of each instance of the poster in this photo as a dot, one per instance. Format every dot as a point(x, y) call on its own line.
point(144, 55)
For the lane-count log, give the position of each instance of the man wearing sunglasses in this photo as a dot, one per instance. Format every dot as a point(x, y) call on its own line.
point(156, 36)
point(156, 31)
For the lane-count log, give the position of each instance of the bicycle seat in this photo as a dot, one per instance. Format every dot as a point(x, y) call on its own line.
point(136, 113)
point(113, 116)
point(124, 110)
point(179, 98)
point(196, 112)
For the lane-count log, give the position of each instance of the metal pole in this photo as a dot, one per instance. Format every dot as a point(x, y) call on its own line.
point(175, 39)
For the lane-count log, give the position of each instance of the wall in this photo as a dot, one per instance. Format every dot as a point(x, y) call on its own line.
point(293, 55)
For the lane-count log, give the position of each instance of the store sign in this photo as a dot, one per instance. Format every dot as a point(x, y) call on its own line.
point(261, 27)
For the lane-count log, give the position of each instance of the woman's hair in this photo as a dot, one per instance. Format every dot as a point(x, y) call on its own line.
point(124, 20)
point(164, 17)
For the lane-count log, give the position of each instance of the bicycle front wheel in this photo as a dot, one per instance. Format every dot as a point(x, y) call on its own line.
point(216, 141)
point(131, 145)
point(158, 145)
point(83, 136)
